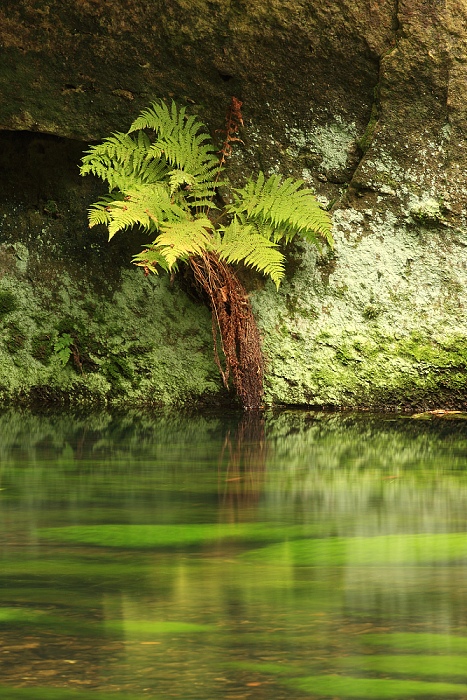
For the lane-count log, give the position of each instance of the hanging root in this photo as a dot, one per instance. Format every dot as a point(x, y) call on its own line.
point(234, 325)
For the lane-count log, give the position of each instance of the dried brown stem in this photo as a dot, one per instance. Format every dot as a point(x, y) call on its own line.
point(233, 122)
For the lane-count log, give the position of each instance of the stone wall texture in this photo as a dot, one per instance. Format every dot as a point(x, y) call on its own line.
point(365, 100)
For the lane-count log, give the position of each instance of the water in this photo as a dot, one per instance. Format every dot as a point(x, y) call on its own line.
point(291, 556)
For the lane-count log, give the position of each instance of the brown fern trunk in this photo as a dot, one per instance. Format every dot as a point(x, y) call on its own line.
point(233, 322)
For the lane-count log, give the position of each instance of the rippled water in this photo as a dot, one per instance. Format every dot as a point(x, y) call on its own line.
point(288, 556)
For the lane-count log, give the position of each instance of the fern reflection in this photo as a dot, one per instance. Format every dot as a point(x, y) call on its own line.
point(242, 467)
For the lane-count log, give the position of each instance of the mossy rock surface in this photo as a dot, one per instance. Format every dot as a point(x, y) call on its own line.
point(379, 322)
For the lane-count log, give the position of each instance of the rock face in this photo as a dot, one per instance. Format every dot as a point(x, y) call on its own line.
point(363, 100)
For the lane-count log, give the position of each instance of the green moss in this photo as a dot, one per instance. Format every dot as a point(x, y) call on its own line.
point(451, 353)
point(8, 303)
point(346, 354)
point(427, 211)
point(365, 140)
point(41, 347)
point(117, 367)
point(371, 311)
point(138, 350)
point(123, 350)
point(16, 338)
point(51, 208)
point(371, 367)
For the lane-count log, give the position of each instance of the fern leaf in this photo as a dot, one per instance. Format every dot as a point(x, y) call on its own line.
point(179, 240)
point(145, 206)
point(177, 178)
point(157, 183)
point(183, 140)
point(284, 206)
point(150, 259)
point(157, 200)
point(161, 180)
point(99, 213)
point(241, 243)
point(152, 117)
point(121, 161)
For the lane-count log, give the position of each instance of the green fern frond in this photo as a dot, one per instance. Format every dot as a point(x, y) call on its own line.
point(162, 183)
point(99, 213)
point(117, 148)
point(181, 239)
point(158, 117)
point(181, 144)
point(182, 139)
point(150, 259)
point(145, 206)
point(153, 171)
point(284, 206)
point(177, 178)
point(122, 161)
point(264, 229)
point(241, 243)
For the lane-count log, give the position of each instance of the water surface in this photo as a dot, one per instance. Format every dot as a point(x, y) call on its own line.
point(290, 555)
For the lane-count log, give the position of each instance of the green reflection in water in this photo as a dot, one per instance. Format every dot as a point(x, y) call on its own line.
point(417, 641)
point(353, 687)
point(384, 550)
point(47, 693)
point(382, 689)
point(160, 536)
point(267, 668)
point(362, 521)
point(68, 573)
point(143, 629)
point(38, 619)
point(415, 666)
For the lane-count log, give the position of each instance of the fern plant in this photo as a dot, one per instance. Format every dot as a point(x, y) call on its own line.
point(163, 176)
